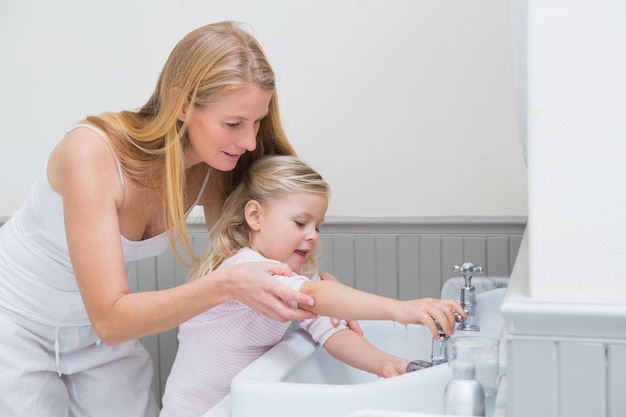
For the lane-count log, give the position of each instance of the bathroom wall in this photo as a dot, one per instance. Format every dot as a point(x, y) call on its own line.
point(399, 258)
point(414, 94)
point(406, 107)
point(402, 258)
point(576, 148)
point(566, 303)
point(576, 349)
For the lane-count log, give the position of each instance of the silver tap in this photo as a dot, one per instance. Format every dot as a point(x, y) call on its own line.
point(468, 296)
point(468, 302)
point(439, 353)
point(417, 365)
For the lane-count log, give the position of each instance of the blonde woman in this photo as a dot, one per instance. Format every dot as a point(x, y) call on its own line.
point(118, 188)
point(275, 213)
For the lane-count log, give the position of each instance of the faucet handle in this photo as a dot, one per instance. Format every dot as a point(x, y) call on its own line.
point(467, 270)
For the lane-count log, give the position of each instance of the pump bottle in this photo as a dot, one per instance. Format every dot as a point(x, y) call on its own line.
point(463, 394)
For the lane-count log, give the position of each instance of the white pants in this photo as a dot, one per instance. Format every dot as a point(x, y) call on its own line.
point(65, 371)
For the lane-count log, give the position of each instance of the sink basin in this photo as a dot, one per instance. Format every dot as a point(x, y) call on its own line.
point(298, 377)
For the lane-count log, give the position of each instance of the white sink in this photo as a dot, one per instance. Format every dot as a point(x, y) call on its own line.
point(297, 377)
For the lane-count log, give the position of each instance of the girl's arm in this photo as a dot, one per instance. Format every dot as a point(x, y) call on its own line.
point(352, 324)
point(356, 351)
point(334, 299)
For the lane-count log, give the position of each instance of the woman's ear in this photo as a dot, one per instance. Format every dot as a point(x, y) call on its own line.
point(184, 111)
point(182, 115)
point(253, 215)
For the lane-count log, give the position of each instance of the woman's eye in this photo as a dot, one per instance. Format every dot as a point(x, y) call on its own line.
point(233, 125)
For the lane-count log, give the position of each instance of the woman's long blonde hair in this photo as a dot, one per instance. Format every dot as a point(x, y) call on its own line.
point(212, 61)
point(267, 180)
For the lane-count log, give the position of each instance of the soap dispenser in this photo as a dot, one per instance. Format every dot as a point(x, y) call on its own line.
point(463, 394)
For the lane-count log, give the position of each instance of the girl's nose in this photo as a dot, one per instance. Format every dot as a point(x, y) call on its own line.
point(312, 235)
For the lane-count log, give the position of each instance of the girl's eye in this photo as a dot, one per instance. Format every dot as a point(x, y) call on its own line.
point(233, 125)
point(300, 224)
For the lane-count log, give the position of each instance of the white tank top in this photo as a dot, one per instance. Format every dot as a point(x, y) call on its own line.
point(36, 276)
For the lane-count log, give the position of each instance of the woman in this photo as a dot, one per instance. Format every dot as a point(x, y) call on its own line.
point(115, 189)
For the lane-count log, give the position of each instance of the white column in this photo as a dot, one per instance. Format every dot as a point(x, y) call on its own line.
point(576, 124)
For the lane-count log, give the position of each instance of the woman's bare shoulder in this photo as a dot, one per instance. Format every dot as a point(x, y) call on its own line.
point(82, 152)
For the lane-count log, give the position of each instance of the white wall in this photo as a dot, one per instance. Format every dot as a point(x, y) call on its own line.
point(566, 303)
point(406, 106)
point(576, 150)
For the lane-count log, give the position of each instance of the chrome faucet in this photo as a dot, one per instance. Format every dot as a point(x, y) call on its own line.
point(468, 296)
point(468, 302)
point(439, 353)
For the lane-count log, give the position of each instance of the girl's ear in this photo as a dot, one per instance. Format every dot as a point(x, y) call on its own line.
point(253, 215)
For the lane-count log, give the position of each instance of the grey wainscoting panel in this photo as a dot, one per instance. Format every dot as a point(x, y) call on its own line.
point(616, 354)
point(402, 258)
point(582, 378)
point(398, 258)
point(411, 258)
point(162, 272)
point(540, 358)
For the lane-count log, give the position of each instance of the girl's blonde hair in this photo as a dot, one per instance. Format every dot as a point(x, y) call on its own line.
point(207, 64)
point(267, 180)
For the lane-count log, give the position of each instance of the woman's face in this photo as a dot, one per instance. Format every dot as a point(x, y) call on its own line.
point(221, 132)
point(287, 229)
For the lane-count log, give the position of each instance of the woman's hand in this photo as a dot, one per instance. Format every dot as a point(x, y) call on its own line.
point(253, 284)
point(428, 310)
point(352, 324)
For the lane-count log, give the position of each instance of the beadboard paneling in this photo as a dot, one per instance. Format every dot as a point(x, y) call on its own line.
point(399, 258)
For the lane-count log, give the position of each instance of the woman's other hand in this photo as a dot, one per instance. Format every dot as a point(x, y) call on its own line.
point(253, 284)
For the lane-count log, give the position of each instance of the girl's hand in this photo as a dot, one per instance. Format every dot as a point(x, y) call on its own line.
point(253, 284)
point(426, 310)
point(395, 367)
point(352, 324)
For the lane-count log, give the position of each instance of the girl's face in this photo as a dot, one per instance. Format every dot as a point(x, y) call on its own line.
point(221, 132)
point(287, 229)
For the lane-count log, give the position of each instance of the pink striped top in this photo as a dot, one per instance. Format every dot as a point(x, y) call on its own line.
point(215, 345)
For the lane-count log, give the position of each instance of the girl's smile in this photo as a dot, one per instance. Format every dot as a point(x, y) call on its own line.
point(287, 229)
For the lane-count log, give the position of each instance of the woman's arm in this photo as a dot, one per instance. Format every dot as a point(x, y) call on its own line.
point(336, 300)
point(356, 351)
point(122, 316)
point(83, 171)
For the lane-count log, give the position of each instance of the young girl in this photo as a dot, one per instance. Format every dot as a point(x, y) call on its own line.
point(275, 213)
